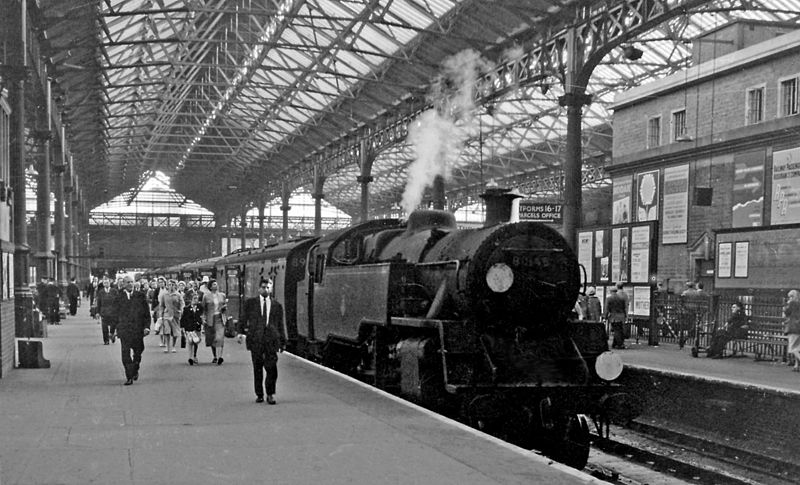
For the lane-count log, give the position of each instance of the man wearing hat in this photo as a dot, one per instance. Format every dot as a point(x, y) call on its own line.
point(593, 307)
point(616, 313)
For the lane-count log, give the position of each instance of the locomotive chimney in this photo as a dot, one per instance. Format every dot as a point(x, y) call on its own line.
point(437, 193)
point(499, 203)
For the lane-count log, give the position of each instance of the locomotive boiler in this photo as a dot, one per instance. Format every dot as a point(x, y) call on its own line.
point(474, 322)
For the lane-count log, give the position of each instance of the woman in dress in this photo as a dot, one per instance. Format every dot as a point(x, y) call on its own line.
point(170, 308)
point(214, 309)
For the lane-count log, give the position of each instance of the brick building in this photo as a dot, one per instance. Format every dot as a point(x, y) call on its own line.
point(710, 151)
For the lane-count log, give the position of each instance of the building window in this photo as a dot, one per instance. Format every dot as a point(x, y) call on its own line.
point(679, 125)
point(654, 132)
point(755, 105)
point(787, 93)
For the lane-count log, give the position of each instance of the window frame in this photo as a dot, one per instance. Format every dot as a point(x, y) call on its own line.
point(672, 134)
point(762, 115)
point(660, 127)
point(796, 78)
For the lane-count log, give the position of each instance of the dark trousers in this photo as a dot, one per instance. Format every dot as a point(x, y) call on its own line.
point(73, 305)
point(131, 355)
point(618, 332)
point(264, 361)
point(109, 325)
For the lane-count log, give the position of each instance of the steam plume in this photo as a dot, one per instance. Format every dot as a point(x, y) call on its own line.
point(438, 134)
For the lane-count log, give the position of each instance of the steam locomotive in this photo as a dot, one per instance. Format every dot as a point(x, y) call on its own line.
point(475, 323)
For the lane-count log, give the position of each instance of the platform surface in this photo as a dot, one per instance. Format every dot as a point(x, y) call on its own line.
point(75, 423)
point(742, 370)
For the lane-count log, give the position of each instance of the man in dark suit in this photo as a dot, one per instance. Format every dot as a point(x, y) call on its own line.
point(133, 323)
point(107, 308)
point(263, 329)
point(73, 293)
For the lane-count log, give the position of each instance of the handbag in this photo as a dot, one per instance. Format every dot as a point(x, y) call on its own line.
point(183, 341)
point(159, 324)
point(230, 328)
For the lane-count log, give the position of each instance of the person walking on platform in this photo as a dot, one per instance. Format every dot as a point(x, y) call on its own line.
point(264, 336)
point(107, 309)
point(91, 292)
point(735, 328)
point(133, 324)
point(214, 308)
point(73, 293)
point(51, 299)
point(792, 326)
point(170, 307)
point(593, 308)
point(192, 324)
point(616, 313)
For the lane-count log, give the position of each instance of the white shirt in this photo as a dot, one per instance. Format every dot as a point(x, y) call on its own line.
point(265, 305)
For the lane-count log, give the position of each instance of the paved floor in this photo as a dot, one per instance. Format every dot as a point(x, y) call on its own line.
point(741, 370)
point(75, 423)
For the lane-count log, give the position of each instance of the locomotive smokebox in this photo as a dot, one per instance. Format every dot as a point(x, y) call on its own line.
point(499, 204)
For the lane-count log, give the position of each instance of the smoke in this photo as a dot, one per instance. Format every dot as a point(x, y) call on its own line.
point(438, 134)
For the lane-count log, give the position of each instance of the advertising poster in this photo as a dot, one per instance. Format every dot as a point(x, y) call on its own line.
point(647, 196)
point(585, 255)
point(748, 189)
point(641, 301)
point(619, 254)
point(741, 257)
point(599, 246)
point(724, 260)
point(676, 205)
point(604, 269)
point(621, 200)
point(785, 207)
point(640, 254)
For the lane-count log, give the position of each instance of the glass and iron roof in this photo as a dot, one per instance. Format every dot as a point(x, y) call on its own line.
point(237, 100)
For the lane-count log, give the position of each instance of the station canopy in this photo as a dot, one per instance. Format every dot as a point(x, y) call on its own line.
point(238, 102)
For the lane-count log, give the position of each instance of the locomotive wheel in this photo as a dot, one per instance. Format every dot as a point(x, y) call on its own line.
point(569, 441)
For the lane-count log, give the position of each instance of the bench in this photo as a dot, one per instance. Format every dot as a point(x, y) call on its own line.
point(764, 338)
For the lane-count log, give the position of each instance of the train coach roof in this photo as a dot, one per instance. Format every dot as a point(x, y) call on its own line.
point(273, 251)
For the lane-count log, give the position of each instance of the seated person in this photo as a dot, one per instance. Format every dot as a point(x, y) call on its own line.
point(735, 328)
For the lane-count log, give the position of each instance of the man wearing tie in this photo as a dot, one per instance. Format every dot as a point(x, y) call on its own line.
point(133, 323)
point(265, 337)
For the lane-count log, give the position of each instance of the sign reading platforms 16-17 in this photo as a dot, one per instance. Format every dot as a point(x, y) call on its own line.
point(539, 211)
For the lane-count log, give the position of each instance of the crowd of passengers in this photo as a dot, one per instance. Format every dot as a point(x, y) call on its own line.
point(178, 310)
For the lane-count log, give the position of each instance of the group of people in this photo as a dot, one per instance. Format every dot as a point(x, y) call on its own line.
point(615, 311)
point(49, 296)
point(128, 308)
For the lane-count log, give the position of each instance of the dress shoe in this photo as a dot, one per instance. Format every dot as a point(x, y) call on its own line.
point(191, 361)
point(128, 382)
point(214, 360)
point(113, 338)
point(136, 377)
point(105, 343)
point(271, 400)
point(220, 360)
point(260, 399)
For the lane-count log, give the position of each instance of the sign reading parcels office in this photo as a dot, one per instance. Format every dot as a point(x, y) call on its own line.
point(539, 211)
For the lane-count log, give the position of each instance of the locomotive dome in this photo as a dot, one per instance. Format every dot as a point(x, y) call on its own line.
point(427, 219)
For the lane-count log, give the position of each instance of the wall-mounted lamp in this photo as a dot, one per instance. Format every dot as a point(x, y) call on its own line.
point(632, 53)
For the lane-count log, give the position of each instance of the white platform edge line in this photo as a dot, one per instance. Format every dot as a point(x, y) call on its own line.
point(503, 444)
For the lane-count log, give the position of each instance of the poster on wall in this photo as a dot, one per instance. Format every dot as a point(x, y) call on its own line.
point(785, 206)
point(8, 276)
point(748, 189)
point(604, 269)
point(647, 196)
point(641, 301)
point(724, 260)
point(619, 254)
point(741, 257)
point(621, 200)
point(585, 254)
point(676, 205)
point(640, 254)
point(599, 246)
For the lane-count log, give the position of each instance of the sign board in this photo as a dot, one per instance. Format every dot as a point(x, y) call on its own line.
point(539, 211)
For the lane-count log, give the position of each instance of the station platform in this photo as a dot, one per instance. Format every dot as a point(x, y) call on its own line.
point(75, 423)
point(740, 370)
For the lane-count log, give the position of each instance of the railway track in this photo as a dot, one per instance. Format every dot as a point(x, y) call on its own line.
point(688, 458)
